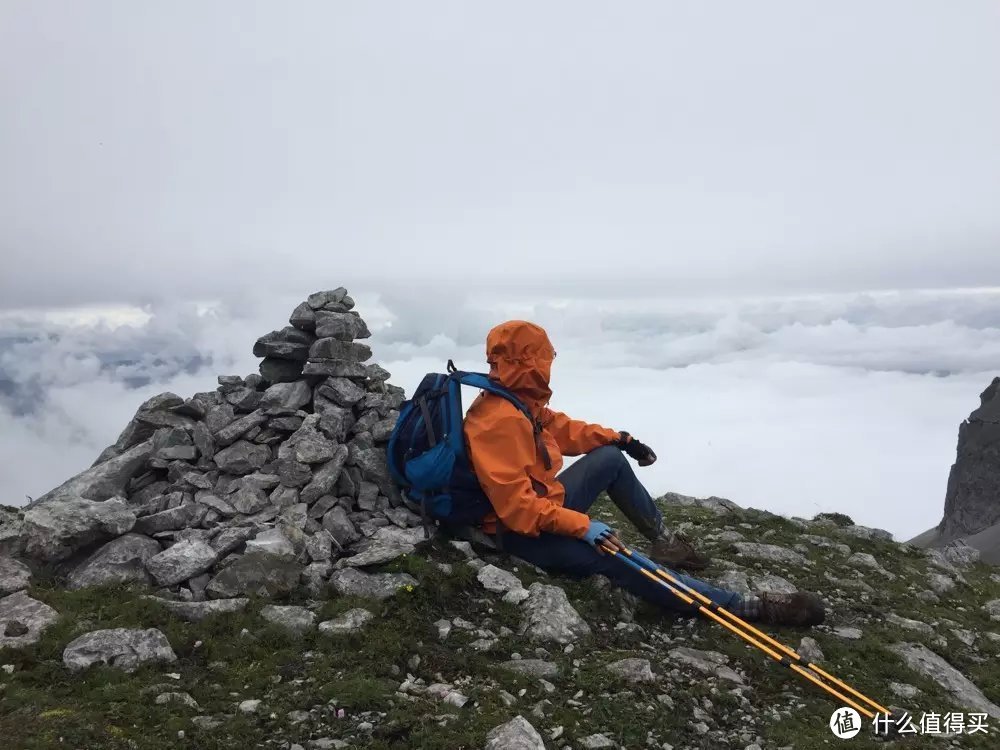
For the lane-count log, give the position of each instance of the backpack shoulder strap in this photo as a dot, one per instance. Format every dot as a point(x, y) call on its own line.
point(482, 381)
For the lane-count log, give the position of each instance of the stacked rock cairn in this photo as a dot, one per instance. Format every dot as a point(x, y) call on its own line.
point(271, 481)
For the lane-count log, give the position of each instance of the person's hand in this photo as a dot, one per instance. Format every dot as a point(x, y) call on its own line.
point(637, 450)
point(597, 532)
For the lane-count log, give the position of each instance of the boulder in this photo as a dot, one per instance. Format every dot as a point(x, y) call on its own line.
point(11, 523)
point(180, 517)
point(289, 396)
point(237, 428)
point(297, 620)
point(23, 619)
point(272, 541)
point(122, 559)
point(242, 457)
point(532, 667)
point(325, 476)
point(57, 529)
point(516, 734)
point(122, 648)
point(339, 326)
point(275, 370)
point(182, 561)
point(331, 348)
point(921, 659)
point(103, 481)
point(770, 553)
point(548, 616)
point(14, 575)
point(349, 622)
point(352, 582)
point(631, 670)
point(288, 343)
point(255, 574)
point(198, 611)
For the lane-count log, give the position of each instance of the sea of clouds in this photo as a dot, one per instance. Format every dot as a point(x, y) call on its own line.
point(832, 402)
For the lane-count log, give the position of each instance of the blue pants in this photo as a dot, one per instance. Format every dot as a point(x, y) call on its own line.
point(607, 468)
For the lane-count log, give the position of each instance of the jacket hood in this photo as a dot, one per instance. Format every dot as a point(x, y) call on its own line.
point(520, 357)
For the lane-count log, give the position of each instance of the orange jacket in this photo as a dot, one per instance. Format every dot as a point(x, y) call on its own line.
point(501, 442)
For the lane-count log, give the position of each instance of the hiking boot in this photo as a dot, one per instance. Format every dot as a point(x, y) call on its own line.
point(676, 551)
point(800, 608)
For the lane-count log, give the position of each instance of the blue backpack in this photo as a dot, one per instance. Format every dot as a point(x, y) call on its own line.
point(426, 451)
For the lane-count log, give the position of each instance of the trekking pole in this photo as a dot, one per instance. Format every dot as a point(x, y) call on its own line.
point(665, 574)
point(711, 610)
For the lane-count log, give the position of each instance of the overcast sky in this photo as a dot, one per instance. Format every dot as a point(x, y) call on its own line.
point(148, 148)
point(697, 198)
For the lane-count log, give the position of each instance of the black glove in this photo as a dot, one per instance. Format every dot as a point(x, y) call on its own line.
point(639, 451)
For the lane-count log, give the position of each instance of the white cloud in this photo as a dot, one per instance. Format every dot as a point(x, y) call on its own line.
point(831, 402)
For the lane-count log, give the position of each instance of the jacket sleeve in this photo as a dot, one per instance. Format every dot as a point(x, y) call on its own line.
point(575, 437)
point(501, 455)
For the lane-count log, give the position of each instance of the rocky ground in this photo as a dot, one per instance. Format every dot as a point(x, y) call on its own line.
point(444, 648)
point(239, 570)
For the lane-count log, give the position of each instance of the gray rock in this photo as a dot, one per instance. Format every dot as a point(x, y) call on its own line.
point(532, 667)
point(352, 582)
point(734, 580)
point(992, 608)
point(848, 633)
point(14, 575)
point(121, 648)
point(122, 559)
point(334, 368)
point(865, 560)
point(198, 611)
point(773, 583)
point(902, 622)
point(174, 698)
point(230, 540)
point(330, 348)
point(248, 499)
point(293, 474)
point(235, 429)
point(275, 370)
point(385, 545)
point(56, 529)
point(335, 422)
point(921, 659)
point(340, 326)
point(373, 465)
point(303, 317)
point(770, 553)
point(548, 616)
point(103, 481)
point(181, 517)
point(809, 650)
point(11, 523)
point(23, 620)
point(327, 299)
point(961, 555)
point(319, 546)
point(826, 543)
point(496, 579)
point(213, 502)
point(970, 504)
point(341, 391)
point(308, 445)
point(272, 541)
point(718, 505)
point(632, 670)
point(597, 742)
point(182, 561)
point(866, 533)
point(350, 622)
point(255, 574)
point(709, 662)
point(288, 343)
point(242, 457)
point(287, 396)
point(325, 477)
point(516, 734)
point(940, 583)
point(296, 620)
point(903, 690)
point(377, 373)
point(220, 416)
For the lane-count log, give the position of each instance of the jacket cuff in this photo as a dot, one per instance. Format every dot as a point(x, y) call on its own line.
point(572, 523)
